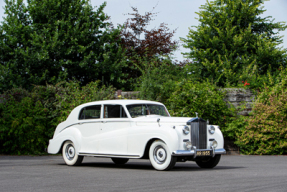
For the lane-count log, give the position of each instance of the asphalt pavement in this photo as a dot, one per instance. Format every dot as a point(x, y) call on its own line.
point(233, 173)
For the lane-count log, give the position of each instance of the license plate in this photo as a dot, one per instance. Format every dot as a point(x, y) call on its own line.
point(203, 153)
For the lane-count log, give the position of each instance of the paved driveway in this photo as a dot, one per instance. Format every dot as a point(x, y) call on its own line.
point(233, 173)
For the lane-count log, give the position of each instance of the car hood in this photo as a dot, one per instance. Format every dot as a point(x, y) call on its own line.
point(174, 121)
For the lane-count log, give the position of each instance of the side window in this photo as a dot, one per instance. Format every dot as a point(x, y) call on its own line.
point(91, 112)
point(137, 110)
point(114, 111)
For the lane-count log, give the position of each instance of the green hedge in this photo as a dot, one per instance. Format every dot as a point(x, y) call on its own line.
point(204, 98)
point(28, 119)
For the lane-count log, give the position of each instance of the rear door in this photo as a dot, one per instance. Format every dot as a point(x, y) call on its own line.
point(89, 126)
point(114, 129)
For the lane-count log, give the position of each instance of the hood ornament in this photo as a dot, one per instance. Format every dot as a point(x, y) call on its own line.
point(196, 114)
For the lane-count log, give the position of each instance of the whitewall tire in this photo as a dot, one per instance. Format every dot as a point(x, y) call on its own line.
point(70, 155)
point(160, 157)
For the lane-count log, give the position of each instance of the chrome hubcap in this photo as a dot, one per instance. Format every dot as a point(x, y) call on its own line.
point(159, 154)
point(70, 152)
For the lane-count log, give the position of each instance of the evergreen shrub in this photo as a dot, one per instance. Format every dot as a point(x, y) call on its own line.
point(28, 119)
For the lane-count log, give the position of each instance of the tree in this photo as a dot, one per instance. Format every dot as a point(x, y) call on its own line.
point(232, 42)
point(142, 44)
point(49, 41)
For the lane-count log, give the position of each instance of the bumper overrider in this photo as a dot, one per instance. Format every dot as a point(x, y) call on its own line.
point(198, 152)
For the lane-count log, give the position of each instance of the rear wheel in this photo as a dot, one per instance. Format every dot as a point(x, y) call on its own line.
point(120, 161)
point(209, 162)
point(69, 154)
point(160, 156)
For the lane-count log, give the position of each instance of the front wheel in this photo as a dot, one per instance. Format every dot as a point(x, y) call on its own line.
point(209, 162)
point(69, 154)
point(160, 156)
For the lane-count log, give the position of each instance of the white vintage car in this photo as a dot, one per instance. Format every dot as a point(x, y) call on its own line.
point(136, 129)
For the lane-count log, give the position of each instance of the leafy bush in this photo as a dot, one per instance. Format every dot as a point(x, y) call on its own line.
point(203, 98)
point(28, 120)
point(73, 96)
point(236, 127)
point(253, 80)
point(266, 130)
point(159, 80)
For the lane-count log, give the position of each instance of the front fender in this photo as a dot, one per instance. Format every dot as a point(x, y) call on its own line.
point(140, 137)
point(71, 133)
point(170, 137)
point(218, 136)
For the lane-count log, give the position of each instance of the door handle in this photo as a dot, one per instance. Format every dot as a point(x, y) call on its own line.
point(103, 121)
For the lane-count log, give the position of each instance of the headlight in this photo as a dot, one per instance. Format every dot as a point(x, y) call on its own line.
point(211, 129)
point(185, 130)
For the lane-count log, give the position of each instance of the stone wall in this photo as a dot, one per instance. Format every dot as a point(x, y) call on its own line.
point(126, 94)
point(240, 97)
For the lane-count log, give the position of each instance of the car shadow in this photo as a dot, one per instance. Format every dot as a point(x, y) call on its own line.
point(148, 166)
point(194, 167)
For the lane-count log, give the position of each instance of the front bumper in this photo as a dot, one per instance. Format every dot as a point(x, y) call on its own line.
point(193, 152)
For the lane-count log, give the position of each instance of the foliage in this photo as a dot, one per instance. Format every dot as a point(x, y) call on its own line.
point(264, 132)
point(28, 119)
point(49, 41)
point(155, 42)
point(159, 80)
point(233, 43)
point(74, 96)
point(204, 98)
point(236, 126)
point(141, 43)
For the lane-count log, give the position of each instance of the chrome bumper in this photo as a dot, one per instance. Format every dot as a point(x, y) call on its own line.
point(193, 152)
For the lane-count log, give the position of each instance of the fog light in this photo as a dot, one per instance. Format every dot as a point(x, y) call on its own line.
point(214, 143)
point(188, 144)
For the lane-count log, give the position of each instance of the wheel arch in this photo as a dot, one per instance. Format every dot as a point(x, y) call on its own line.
point(147, 147)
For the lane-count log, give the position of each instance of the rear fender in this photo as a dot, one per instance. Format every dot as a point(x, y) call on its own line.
point(69, 134)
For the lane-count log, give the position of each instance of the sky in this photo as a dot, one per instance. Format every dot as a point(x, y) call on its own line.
point(178, 14)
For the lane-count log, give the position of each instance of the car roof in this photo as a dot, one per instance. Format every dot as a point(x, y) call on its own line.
point(121, 102)
point(75, 112)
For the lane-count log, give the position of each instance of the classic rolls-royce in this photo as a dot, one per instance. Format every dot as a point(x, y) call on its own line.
point(136, 129)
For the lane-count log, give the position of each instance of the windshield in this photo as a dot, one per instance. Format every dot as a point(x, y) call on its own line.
point(146, 109)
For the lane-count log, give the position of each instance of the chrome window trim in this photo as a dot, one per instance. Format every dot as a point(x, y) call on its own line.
point(93, 121)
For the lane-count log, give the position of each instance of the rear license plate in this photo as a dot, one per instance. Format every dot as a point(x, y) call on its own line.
point(203, 153)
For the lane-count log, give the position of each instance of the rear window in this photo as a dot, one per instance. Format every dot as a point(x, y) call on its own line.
point(91, 112)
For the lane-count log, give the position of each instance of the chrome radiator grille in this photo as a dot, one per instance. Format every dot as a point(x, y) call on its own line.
point(198, 131)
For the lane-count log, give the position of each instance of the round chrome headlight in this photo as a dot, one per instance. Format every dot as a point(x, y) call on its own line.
point(185, 130)
point(211, 129)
